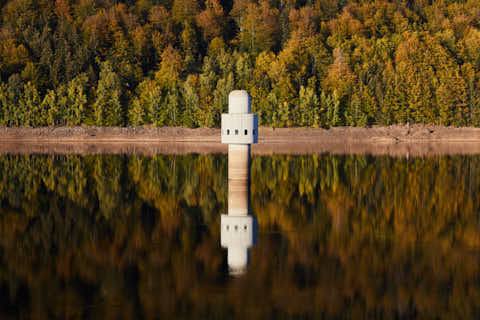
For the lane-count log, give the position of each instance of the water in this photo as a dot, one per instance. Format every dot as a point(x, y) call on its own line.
point(118, 237)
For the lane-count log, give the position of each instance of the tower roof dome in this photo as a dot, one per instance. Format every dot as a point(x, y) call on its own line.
point(239, 101)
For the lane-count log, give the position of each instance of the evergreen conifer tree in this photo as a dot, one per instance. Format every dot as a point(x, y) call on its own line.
point(107, 106)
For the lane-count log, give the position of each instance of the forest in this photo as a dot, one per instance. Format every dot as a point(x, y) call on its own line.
point(123, 237)
point(314, 63)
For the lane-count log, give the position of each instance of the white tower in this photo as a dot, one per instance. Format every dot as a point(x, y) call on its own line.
point(239, 126)
point(239, 130)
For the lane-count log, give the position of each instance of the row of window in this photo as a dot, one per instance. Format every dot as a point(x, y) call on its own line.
point(236, 132)
point(236, 227)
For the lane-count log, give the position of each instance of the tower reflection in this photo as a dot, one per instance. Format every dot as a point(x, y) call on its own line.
point(238, 231)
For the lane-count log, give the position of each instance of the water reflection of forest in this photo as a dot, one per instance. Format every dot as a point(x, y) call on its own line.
point(116, 237)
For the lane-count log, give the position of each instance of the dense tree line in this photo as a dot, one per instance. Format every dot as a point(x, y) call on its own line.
point(305, 63)
point(117, 237)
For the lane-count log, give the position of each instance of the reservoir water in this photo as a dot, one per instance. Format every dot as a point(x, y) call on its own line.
point(337, 236)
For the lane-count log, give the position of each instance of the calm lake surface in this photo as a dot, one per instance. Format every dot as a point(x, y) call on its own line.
point(352, 236)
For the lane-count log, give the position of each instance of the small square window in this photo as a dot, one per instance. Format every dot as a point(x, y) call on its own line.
point(236, 132)
point(246, 131)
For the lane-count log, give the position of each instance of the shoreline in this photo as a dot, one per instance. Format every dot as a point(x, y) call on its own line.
point(375, 134)
point(415, 140)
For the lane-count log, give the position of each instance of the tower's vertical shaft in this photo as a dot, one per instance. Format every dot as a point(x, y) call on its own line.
point(238, 179)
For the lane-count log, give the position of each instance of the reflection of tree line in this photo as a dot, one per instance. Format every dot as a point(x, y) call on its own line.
point(118, 237)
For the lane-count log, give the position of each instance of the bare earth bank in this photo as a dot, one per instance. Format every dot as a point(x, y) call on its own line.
point(416, 140)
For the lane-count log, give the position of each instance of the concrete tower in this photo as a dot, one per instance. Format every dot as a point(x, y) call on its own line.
point(239, 130)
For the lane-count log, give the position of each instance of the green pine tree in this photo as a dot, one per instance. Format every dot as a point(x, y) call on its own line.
point(107, 106)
